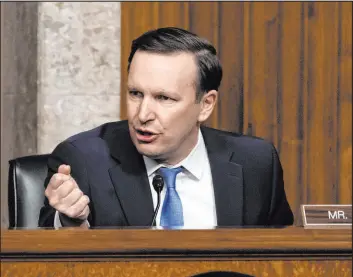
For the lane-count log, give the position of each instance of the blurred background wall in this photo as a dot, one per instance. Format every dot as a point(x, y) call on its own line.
point(60, 74)
point(287, 78)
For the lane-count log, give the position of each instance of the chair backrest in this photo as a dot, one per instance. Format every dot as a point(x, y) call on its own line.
point(26, 190)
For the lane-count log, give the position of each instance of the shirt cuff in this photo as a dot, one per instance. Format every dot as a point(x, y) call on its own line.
point(57, 222)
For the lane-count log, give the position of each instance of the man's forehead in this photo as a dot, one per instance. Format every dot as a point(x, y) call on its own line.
point(131, 85)
point(174, 58)
point(176, 53)
point(162, 70)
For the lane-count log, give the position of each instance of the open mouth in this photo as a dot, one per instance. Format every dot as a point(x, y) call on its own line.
point(144, 133)
point(145, 136)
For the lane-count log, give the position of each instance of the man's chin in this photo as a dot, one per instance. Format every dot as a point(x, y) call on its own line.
point(150, 153)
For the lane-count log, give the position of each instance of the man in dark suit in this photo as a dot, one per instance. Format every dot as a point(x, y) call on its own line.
point(103, 177)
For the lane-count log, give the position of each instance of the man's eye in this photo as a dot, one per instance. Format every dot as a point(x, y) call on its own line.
point(135, 93)
point(163, 98)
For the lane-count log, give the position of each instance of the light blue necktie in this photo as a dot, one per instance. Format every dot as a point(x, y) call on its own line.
point(172, 211)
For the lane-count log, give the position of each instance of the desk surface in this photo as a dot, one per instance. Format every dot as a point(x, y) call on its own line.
point(134, 243)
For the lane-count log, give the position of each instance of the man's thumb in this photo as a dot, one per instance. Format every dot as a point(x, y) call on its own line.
point(64, 169)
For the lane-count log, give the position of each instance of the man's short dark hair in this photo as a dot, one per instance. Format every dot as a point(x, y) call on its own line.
point(172, 40)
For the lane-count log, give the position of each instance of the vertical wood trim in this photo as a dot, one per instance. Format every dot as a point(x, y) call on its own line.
point(301, 111)
point(336, 96)
point(204, 21)
point(305, 103)
point(231, 35)
point(330, 100)
point(278, 111)
point(257, 73)
point(155, 15)
point(345, 105)
point(216, 117)
point(247, 118)
point(322, 43)
point(311, 62)
point(186, 15)
point(264, 73)
point(290, 71)
point(273, 70)
point(218, 108)
point(126, 30)
point(172, 14)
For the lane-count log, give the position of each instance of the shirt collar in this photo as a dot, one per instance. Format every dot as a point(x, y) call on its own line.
point(193, 163)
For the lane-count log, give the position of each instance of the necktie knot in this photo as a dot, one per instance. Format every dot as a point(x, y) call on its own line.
point(169, 175)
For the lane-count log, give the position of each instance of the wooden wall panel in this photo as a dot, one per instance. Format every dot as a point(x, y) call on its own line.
point(231, 34)
point(304, 127)
point(290, 113)
point(322, 119)
point(263, 63)
point(204, 21)
point(344, 113)
point(174, 13)
point(287, 78)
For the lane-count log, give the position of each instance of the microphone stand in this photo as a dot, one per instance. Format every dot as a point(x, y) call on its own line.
point(157, 208)
point(158, 184)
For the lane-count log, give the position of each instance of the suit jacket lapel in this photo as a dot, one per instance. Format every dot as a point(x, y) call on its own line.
point(130, 179)
point(227, 179)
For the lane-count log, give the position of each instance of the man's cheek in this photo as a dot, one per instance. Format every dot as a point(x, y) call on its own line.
point(132, 109)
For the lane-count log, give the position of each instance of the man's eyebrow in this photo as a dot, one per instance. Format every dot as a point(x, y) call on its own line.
point(164, 91)
point(157, 91)
point(132, 88)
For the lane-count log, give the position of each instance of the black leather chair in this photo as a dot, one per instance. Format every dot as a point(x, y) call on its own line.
point(26, 190)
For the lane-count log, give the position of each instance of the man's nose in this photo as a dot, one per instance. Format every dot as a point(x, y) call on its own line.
point(146, 112)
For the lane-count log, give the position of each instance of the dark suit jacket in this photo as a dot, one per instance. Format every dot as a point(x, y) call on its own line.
point(246, 172)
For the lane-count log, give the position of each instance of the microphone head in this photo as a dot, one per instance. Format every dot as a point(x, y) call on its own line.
point(158, 183)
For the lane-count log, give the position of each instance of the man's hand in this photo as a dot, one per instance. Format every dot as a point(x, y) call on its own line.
point(65, 196)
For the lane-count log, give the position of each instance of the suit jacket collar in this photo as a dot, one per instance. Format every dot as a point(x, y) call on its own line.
point(131, 183)
point(227, 177)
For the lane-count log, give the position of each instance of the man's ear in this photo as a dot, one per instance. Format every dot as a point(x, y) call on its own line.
point(207, 103)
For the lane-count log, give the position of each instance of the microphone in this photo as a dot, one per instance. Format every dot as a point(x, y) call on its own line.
point(158, 184)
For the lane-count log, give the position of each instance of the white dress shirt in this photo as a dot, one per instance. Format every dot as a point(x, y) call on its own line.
point(194, 186)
